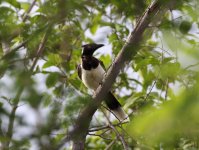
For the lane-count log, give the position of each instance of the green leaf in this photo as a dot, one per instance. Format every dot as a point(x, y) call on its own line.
point(148, 79)
point(185, 26)
point(52, 79)
point(176, 118)
point(113, 37)
point(75, 83)
point(14, 3)
point(25, 5)
point(167, 59)
point(46, 100)
point(47, 64)
point(95, 23)
point(106, 59)
point(34, 98)
point(58, 90)
point(135, 99)
point(53, 60)
point(169, 70)
point(94, 28)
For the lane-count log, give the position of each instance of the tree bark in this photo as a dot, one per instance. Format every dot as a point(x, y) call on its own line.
point(129, 50)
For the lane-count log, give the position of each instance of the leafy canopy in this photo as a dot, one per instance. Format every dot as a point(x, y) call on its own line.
point(41, 94)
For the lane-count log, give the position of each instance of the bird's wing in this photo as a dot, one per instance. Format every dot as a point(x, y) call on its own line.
point(79, 71)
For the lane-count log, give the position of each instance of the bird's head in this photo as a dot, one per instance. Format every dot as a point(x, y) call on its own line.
point(89, 49)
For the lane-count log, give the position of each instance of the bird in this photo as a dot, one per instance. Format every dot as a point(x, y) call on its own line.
point(91, 72)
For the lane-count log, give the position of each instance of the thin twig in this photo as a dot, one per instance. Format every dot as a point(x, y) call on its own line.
point(154, 83)
point(111, 112)
point(98, 129)
point(94, 129)
point(12, 51)
point(147, 95)
point(19, 46)
point(166, 90)
point(119, 136)
point(190, 66)
point(110, 144)
point(40, 50)
point(156, 47)
point(105, 131)
point(25, 15)
point(99, 135)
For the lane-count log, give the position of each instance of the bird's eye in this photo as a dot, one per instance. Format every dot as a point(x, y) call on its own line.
point(84, 58)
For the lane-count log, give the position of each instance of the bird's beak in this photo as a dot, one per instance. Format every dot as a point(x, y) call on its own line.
point(89, 49)
point(98, 46)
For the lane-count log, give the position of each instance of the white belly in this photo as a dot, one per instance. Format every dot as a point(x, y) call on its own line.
point(92, 78)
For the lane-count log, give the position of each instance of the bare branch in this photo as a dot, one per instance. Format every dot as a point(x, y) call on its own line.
point(25, 15)
point(9, 133)
point(110, 144)
point(12, 51)
point(39, 50)
point(194, 65)
point(119, 136)
point(100, 135)
point(154, 83)
point(105, 127)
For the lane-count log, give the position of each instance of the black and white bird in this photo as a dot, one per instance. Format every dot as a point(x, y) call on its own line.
point(91, 71)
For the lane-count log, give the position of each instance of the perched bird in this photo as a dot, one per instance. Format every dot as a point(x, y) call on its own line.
point(91, 71)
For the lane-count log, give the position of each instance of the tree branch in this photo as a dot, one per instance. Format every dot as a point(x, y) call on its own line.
point(100, 135)
point(40, 50)
point(11, 119)
point(119, 136)
point(110, 144)
point(94, 129)
point(129, 50)
point(25, 15)
point(12, 51)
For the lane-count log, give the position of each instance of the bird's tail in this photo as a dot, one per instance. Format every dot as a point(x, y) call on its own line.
point(120, 114)
point(115, 107)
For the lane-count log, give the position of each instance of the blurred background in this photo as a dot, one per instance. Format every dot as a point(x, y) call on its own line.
point(41, 94)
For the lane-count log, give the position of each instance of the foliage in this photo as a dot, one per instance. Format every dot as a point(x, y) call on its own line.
point(41, 94)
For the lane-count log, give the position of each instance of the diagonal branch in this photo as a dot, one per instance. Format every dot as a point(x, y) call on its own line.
point(25, 15)
point(129, 50)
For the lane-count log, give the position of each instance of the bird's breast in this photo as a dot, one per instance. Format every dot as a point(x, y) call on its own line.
point(92, 78)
